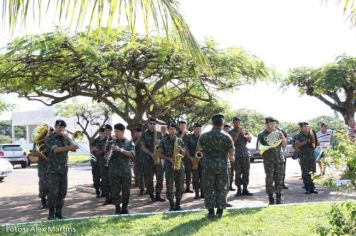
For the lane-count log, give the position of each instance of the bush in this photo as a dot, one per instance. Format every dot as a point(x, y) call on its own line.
point(342, 219)
point(5, 139)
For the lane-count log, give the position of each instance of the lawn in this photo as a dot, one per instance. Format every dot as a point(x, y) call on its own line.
point(279, 220)
point(78, 158)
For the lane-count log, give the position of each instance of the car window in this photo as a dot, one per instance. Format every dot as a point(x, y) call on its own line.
point(12, 148)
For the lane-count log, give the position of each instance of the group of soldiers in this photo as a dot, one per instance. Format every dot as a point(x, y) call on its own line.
point(224, 155)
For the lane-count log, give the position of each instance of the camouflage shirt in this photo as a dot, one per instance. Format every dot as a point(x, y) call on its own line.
point(147, 140)
point(94, 143)
point(240, 145)
point(192, 143)
point(216, 145)
point(272, 154)
point(57, 162)
point(42, 162)
point(138, 151)
point(166, 147)
point(185, 137)
point(307, 149)
point(119, 164)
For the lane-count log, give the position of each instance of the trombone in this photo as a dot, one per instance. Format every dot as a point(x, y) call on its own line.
point(78, 136)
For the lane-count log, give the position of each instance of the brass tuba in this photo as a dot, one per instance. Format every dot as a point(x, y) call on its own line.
point(38, 136)
point(198, 156)
point(273, 140)
point(177, 157)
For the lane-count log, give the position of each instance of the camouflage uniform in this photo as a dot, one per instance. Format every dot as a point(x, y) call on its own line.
point(307, 159)
point(192, 144)
point(120, 172)
point(273, 162)
point(57, 172)
point(139, 167)
point(216, 145)
point(95, 167)
point(147, 140)
point(173, 177)
point(42, 174)
point(242, 160)
point(187, 161)
point(103, 165)
point(285, 159)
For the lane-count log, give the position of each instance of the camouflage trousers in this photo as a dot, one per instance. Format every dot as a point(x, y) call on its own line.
point(42, 181)
point(95, 171)
point(139, 174)
point(197, 178)
point(308, 166)
point(215, 181)
point(188, 170)
point(242, 170)
point(274, 176)
point(57, 188)
point(284, 169)
point(174, 178)
point(104, 171)
point(150, 169)
point(231, 174)
point(120, 186)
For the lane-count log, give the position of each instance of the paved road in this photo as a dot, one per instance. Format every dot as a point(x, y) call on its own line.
point(19, 200)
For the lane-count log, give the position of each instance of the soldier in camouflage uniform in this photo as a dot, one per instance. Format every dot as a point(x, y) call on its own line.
point(42, 171)
point(104, 145)
point(57, 146)
point(122, 153)
point(304, 143)
point(139, 161)
point(242, 160)
point(95, 165)
point(285, 159)
point(273, 162)
point(192, 144)
point(173, 177)
point(227, 129)
point(183, 134)
point(147, 145)
point(218, 148)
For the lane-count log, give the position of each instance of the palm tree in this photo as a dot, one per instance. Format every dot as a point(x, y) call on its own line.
point(160, 14)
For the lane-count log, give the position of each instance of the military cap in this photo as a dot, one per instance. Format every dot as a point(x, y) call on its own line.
point(182, 122)
point(60, 123)
point(270, 119)
point(301, 124)
point(227, 126)
point(197, 125)
point(119, 126)
point(107, 126)
point(152, 119)
point(235, 118)
point(102, 129)
point(172, 125)
point(217, 117)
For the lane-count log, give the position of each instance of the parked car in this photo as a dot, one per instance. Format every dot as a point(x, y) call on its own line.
point(14, 153)
point(5, 168)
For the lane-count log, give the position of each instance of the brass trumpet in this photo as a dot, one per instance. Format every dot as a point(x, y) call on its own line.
point(198, 156)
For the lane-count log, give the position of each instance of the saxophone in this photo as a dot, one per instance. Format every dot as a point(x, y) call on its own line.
point(198, 156)
point(156, 157)
point(177, 157)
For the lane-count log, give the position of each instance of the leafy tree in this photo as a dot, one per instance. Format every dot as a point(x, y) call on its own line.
point(5, 139)
point(5, 129)
point(133, 79)
point(334, 84)
point(87, 115)
point(160, 14)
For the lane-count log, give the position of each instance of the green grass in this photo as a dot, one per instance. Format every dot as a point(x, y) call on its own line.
point(78, 158)
point(283, 220)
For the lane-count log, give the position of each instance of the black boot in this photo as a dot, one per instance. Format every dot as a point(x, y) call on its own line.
point(177, 206)
point(171, 204)
point(278, 198)
point(231, 188)
point(152, 197)
point(284, 186)
point(59, 214)
point(197, 194)
point(124, 210)
point(246, 192)
point(307, 190)
point(51, 214)
point(117, 209)
point(201, 194)
point(108, 201)
point(97, 191)
point(44, 203)
point(238, 193)
point(141, 192)
point(187, 190)
point(159, 198)
point(271, 199)
point(219, 213)
point(211, 214)
point(228, 205)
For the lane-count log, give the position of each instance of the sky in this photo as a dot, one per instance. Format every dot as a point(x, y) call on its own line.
point(284, 33)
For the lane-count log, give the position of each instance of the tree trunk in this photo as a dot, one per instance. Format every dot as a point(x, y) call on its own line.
point(348, 115)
